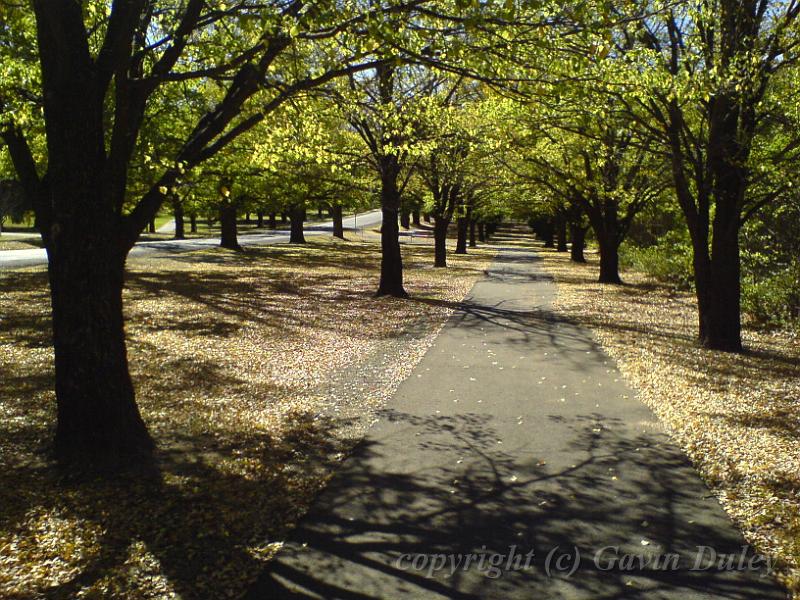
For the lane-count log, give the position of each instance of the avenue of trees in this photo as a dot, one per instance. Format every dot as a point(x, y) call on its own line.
point(664, 133)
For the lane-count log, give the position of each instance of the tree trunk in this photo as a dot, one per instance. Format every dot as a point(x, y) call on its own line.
point(719, 286)
point(415, 218)
point(461, 239)
point(193, 223)
point(259, 219)
point(578, 235)
point(319, 213)
point(151, 226)
point(296, 219)
point(98, 421)
point(606, 227)
point(177, 208)
point(427, 217)
point(440, 242)
point(562, 234)
point(273, 221)
point(247, 218)
point(228, 230)
point(548, 234)
point(609, 260)
point(731, 130)
point(405, 219)
point(99, 424)
point(284, 217)
point(472, 242)
point(338, 226)
point(391, 283)
point(481, 232)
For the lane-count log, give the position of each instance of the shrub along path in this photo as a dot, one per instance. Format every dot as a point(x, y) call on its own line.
point(514, 434)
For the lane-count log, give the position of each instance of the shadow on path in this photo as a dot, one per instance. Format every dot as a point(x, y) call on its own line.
point(513, 436)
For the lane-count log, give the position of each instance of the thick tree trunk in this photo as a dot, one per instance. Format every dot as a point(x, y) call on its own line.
point(609, 260)
point(718, 284)
point(151, 226)
point(180, 228)
point(228, 231)
point(578, 236)
point(481, 232)
point(391, 283)
point(461, 239)
point(440, 242)
point(273, 221)
point(98, 421)
point(296, 219)
point(99, 424)
point(472, 242)
point(338, 226)
point(731, 130)
point(427, 217)
point(606, 227)
point(193, 223)
point(259, 219)
point(284, 218)
point(561, 226)
point(415, 218)
point(405, 219)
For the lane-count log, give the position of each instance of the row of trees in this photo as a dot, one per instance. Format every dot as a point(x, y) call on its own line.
point(590, 116)
point(93, 92)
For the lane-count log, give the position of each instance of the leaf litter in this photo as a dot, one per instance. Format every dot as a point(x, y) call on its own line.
point(737, 416)
point(256, 373)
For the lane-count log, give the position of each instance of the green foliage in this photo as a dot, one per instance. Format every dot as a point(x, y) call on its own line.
point(774, 301)
point(669, 260)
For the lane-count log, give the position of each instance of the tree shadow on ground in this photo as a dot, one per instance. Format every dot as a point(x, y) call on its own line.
point(225, 489)
point(195, 530)
point(378, 510)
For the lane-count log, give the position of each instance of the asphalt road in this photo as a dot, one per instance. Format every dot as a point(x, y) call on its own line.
point(515, 439)
point(15, 259)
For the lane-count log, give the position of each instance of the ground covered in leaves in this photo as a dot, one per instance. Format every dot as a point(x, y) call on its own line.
point(255, 373)
point(736, 416)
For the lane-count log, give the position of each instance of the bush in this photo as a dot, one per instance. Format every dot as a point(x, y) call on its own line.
point(669, 261)
point(775, 300)
point(770, 294)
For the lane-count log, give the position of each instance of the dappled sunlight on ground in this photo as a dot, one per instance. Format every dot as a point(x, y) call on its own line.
point(736, 416)
point(255, 372)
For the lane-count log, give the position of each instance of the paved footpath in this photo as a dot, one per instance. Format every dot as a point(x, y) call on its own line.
point(515, 433)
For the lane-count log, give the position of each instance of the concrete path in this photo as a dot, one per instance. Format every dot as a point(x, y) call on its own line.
point(16, 259)
point(514, 434)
